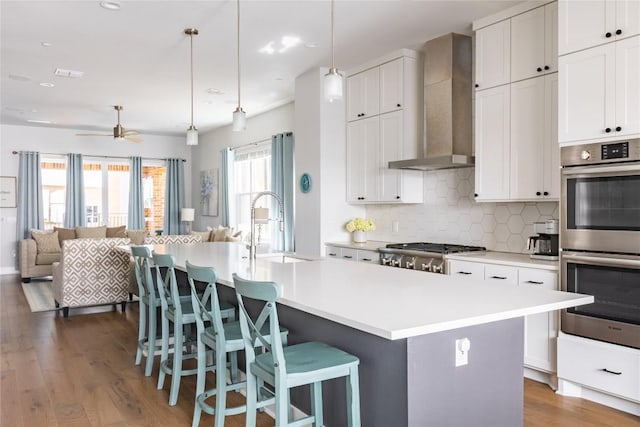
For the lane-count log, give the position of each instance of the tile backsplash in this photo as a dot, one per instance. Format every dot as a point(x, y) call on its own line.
point(451, 215)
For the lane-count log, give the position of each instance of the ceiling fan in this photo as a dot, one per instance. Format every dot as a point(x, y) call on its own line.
point(118, 130)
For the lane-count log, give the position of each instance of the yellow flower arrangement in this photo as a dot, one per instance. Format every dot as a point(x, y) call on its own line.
point(361, 224)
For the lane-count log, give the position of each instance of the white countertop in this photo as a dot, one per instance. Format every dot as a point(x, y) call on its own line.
point(506, 258)
point(388, 302)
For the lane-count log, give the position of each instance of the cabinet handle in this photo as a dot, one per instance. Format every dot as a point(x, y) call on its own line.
point(546, 67)
point(533, 282)
point(475, 194)
point(618, 32)
point(398, 197)
point(618, 128)
point(607, 130)
point(546, 193)
point(607, 35)
point(347, 256)
point(498, 277)
point(332, 254)
point(538, 193)
point(611, 372)
point(464, 272)
point(398, 105)
point(477, 85)
point(366, 259)
point(538, 69)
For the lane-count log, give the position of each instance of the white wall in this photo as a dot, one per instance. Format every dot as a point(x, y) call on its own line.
point(206, 155)
point(62, 141)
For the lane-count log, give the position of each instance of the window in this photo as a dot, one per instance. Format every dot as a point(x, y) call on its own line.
point(252, 174)
point(106, 192)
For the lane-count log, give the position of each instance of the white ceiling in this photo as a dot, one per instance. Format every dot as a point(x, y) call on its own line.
point(138, 56)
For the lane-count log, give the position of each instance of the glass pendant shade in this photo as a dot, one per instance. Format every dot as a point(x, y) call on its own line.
point(239, 120)
point(333, 85)
point(192, 136)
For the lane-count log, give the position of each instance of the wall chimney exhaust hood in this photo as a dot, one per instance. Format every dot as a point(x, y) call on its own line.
point(447, 105)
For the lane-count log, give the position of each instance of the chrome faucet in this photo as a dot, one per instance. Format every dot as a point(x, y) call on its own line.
point(252, 246)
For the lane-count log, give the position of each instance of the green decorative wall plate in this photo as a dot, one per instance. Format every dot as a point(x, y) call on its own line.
point(305, 183)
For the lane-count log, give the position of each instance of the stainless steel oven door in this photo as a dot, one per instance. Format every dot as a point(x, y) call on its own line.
point(600, 208)
point(614, 281)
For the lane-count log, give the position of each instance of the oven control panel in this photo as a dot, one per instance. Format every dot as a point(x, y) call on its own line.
point(615, 151)
point(600, 153)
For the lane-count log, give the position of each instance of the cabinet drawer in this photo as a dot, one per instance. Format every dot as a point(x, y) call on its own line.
point(333, 251)
point(350, 254)
point(368, 256)
point(599, 365)
point(538, 278)
point(501, 274)
point(466, 269)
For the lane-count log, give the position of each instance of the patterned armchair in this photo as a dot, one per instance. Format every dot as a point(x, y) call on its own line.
point(91, 272)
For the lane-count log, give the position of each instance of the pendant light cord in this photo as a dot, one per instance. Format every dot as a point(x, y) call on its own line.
point(191, 38)
point(238, 27)
point(333, 59)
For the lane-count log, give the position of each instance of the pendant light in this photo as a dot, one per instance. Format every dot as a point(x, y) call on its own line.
point(239, 116)
point(333, 79)
point(192, 132)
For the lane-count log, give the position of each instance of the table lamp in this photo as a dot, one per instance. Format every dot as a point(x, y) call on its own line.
point(187, 215)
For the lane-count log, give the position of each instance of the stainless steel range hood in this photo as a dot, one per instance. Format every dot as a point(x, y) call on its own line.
point(447, 102)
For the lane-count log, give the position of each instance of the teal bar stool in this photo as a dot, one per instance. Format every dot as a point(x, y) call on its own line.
point(178, 310)
point(223, 338)
point(149, 302)
point(287, 367)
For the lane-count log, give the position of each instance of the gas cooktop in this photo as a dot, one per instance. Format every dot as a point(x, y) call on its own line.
point(441, 248)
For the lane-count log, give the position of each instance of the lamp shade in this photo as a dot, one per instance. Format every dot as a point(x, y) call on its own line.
point(187, 214)
point(239, 120)
point(333, 86)
point(192, 136)
point(261, 215)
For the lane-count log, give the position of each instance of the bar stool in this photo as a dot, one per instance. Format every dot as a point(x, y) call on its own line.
point(177, 309)
point(149, 302)
point(223, 338)
point(292, 366)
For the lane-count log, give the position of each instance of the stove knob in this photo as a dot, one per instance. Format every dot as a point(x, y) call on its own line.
point(395, 262)
point(438, 268)
point(411, 263)
point(385, 261)
point(585, 155)
point(427, 267)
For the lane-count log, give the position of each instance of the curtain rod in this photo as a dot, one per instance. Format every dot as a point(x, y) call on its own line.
point(104, 157)
point(262, 141)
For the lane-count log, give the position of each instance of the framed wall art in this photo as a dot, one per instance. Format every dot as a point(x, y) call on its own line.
point(8, 192)
point(209, 192)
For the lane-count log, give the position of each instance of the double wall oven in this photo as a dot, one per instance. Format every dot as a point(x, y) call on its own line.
point(600, 239)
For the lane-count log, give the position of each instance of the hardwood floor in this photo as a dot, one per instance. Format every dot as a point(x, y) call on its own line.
point(80, 371)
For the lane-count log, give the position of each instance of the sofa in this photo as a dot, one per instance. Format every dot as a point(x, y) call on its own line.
point(91, 272)
point(38, 253)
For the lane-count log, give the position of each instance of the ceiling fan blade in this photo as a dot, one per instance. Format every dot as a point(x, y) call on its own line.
point(133, 138)
point(131, 132)
point(93, 134)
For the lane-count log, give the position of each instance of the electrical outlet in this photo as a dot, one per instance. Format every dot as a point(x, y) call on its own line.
point(395, 226)
point(462, 351)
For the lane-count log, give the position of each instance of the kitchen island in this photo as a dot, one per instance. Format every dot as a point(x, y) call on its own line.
point(403, 325)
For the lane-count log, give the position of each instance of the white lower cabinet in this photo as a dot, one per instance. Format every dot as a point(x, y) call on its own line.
point(609, 368)
point(541, 329)
point(352, 254)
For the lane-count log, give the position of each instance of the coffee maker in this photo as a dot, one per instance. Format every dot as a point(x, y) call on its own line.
point(545, 243)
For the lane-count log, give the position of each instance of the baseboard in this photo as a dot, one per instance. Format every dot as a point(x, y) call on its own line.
point(568, 388)
point(547, 378)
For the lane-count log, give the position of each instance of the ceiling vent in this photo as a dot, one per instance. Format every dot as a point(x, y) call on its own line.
point(72, 74)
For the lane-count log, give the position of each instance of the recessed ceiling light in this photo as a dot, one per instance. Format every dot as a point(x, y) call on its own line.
point(288, 42)
point(110, 5)
point(45, 44)
point(43, 122)
point(73, 74)
point(213, 91)
point(310, 45)
point(279, 79)
point(47, 84)
point(19, 78)
point(268, 49)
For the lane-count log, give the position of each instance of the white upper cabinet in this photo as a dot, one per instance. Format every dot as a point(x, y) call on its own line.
point(391, 86)
point(492, 130)
point(588, 23)
point(363, 94)
point(363, 140)
point(390, 149)
point(493, 55)
point(534, 42)
point(599, 92)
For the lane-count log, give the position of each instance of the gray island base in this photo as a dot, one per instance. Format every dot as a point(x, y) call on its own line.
point(414, 381)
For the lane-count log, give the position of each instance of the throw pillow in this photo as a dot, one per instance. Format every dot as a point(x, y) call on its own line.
point(46, 241)
point(91, 232)
point(65, 234)
point(116, 231)
point(220, 233)
point(137, 236)
point(205, 235)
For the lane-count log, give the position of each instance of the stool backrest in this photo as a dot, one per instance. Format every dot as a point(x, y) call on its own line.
point(251, 326)
point(167, 284)
point(207, 306)
point(141, 260)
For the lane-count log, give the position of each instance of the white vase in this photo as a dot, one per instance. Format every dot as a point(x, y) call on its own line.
point(359, 236)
